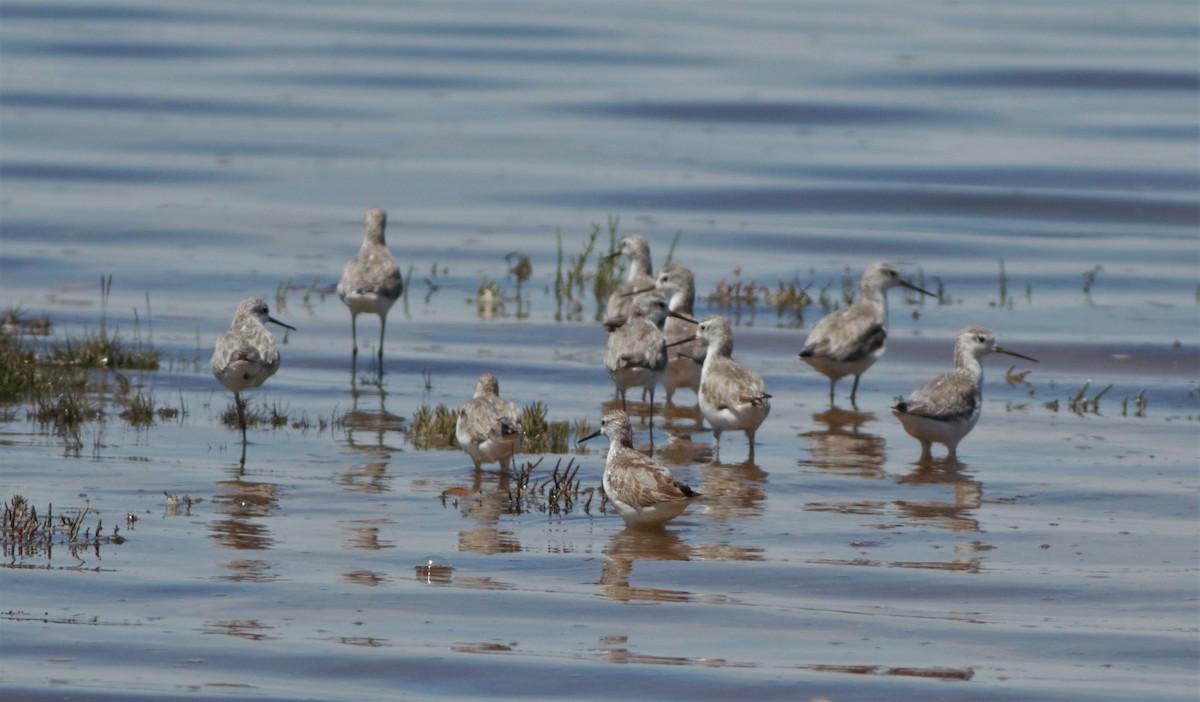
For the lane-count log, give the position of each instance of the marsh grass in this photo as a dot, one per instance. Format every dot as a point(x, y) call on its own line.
point(19, 369)
point(25, 534)
point(17, 323)
point(139, 408)
point(271, 416)
point(433, 428)
point(104, 350)
point(542, 436)
point(572, 277)
point(789, 299)
point(556, 494)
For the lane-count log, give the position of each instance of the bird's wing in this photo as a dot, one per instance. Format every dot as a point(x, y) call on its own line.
point(846, 335)
point(947, 397)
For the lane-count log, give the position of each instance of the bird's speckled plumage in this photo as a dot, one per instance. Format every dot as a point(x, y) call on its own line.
point(849, 341)
point(640, 276)
point(684, 360)
point(489, 426)
point(637, 350)
point(640, 488)
point(371, 281)
point(731, 396)
point(945, 409)
point(245, 355)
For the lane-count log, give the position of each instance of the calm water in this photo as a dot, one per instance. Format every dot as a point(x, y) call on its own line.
point(203, 153)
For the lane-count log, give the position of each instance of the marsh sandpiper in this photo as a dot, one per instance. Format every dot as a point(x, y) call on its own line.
point(246, 355)
point(683, 367)
point(731, 396)
point(850, 340)
point(371, 281)
point(945, 409)
point(640, 488)
point(489, 426)
point(640, 277)
point(637, 349)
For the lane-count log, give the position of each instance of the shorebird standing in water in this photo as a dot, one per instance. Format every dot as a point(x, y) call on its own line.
point(371, 281)
point(642, 489)
point(246, 354)
point(637, 350)
point(731, 396)
point(850, 340)
point(489, 426)
point(639, 279)
point(945, 409)
point(683, 369)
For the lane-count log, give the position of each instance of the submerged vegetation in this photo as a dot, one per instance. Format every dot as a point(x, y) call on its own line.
point(523, 491)
point(26, 534)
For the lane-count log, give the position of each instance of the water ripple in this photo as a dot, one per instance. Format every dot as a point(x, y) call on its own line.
point(780, 113)
point(1044, 79)
point(167, 105)
point(913, 202)
point(110, 174)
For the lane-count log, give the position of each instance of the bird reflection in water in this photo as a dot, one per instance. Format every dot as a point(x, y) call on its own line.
point(956, 514)
point(367, 431)
point(241, 501)
point(733, 489)
point(843, 447)
point(639, 544)
point(244, 503)
point(633, 544)
point(484, 502)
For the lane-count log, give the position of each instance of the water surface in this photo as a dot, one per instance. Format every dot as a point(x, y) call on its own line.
point(1000, 152)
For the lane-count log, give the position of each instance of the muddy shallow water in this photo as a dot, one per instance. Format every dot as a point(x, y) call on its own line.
point(1000, 153)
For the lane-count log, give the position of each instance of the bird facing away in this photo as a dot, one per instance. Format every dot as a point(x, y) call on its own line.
point(731, 397)
point(637, 350)
point(641, 488)
point(945, 409)
point(684, 360)
point(640, 277)
point(246, 354)
point(371, 281)
point(489, 426)
point(848, 341)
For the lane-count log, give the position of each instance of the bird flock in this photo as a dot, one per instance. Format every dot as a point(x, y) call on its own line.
point(653, 338)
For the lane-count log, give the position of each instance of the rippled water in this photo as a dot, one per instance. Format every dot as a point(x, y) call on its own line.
point(1001, 152)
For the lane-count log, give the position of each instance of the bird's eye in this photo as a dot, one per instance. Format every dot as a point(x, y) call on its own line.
point(980, 339)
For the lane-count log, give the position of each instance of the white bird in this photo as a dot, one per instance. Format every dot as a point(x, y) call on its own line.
point(489, 426)
point(945, 409)
point(246, 355)
point(371, 281)
point(848, 341)
point(731, 396)
point(642, 489)
point(640, 277)
point(637, 350)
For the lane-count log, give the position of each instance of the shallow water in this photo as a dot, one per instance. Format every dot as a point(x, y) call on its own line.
point(1002, 152)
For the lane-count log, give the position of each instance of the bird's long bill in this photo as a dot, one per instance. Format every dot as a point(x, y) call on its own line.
point(684, 340)
point(997, 349)
point(590, 436)
point(639, 291)
point(923, 291)
point(276, 321)
point(684, 317)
